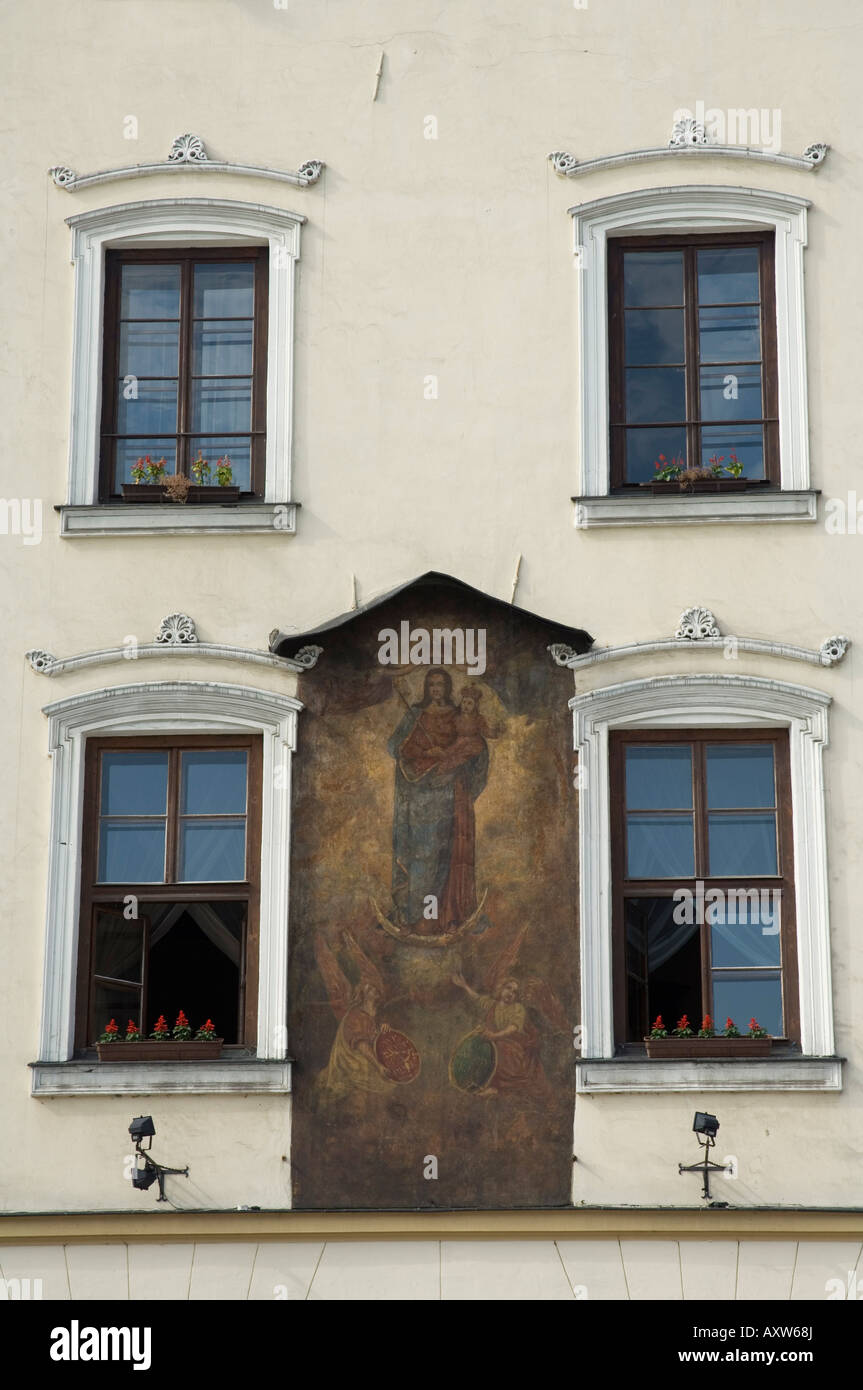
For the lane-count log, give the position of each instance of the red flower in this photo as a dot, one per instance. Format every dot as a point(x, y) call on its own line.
point(182, 1021)
point(132, 1027)
point(210, 1024)
point(659, 1023)
point(707, 1021)
point(729, 1023)
point(683, 1022)
point(160, 1025)
point(111, 1027)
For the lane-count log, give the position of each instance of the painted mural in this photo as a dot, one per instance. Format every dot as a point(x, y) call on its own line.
point(433, 926)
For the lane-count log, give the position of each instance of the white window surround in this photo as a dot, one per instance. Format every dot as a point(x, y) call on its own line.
point(705, 701)
point(181, 222)
point(180, 707)
point(681, 209)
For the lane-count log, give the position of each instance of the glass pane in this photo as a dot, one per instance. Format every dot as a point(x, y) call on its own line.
point(742, 997)
point(652, 277)
point(745, 441)
point(653, 336)
point(118, 947)
point(214, 782)
point(658, 778)
point(117, 1002)
point(663, 963)
point(729, 276)
point(729, 335)
point(744, 927)
point(222, 349)
point(741, 843)
point(731, 393)
point(221, 404)
point(224, 290)
point(643, 448)
point(237, 452)
point(655, 393)
point(146, 407)
point(740, 774)
point(195, 960)
point(131, 851)
point(149, 349)
point(130, 450)
point(212, 850)
point(659, 846)
point(134, 784)
point(150, 292)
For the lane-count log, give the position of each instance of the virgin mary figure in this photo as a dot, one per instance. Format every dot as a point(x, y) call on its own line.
point(438, 776)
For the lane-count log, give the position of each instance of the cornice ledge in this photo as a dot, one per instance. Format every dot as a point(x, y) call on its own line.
point(701, 195)
point(187, 152)
point(666, 691)
point(698, 628)
point(568, 166)
point(176, 636)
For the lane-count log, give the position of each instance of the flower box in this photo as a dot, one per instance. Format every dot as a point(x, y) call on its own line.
point(148, 1050)
point(695, 1048)
point(207, 492)
point(143, 492)
point(698, 485)
point(155, 492)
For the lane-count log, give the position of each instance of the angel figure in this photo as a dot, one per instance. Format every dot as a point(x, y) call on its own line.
point(355, 1064)
point(512, 1063)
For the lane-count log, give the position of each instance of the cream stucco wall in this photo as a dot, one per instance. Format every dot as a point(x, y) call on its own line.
point(449, 257)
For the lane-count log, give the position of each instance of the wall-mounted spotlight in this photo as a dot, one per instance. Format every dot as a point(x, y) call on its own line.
point(706, 1125)
point(141, 1128)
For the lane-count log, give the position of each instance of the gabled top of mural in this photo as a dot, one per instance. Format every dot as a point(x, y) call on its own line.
point(444, 585)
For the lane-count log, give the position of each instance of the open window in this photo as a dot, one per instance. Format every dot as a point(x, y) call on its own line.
point(703, 880)
point(170, 885)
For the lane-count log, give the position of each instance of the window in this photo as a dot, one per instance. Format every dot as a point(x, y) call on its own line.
point(189, 902)
point(693, 713)
point(185, 348)
point(171, 855)
point(692, 355)
point(703, 883)
point(184, 333)
point(674, 337)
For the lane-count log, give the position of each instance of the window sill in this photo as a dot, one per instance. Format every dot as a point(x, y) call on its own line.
point(144, 519)
point(223, 1075)
point(790, 1073)
point(695, 510)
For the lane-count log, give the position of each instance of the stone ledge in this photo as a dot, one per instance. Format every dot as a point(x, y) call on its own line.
point(226, 1075)
point(616, 1074)
point(701, 509)
point(162, 518)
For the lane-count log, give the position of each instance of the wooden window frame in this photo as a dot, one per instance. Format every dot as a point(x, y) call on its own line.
point(94, 894)
point(186, 258)
point(622, 887)
point(692, 242)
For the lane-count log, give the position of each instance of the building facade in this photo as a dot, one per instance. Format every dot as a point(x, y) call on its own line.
point(431, 588)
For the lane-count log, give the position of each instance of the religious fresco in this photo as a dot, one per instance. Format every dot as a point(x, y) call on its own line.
point(433, 964)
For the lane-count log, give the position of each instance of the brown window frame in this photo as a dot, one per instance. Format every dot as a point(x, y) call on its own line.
point(186, 258)
point(95, 894)
point(618, 424)
point(623, 887)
